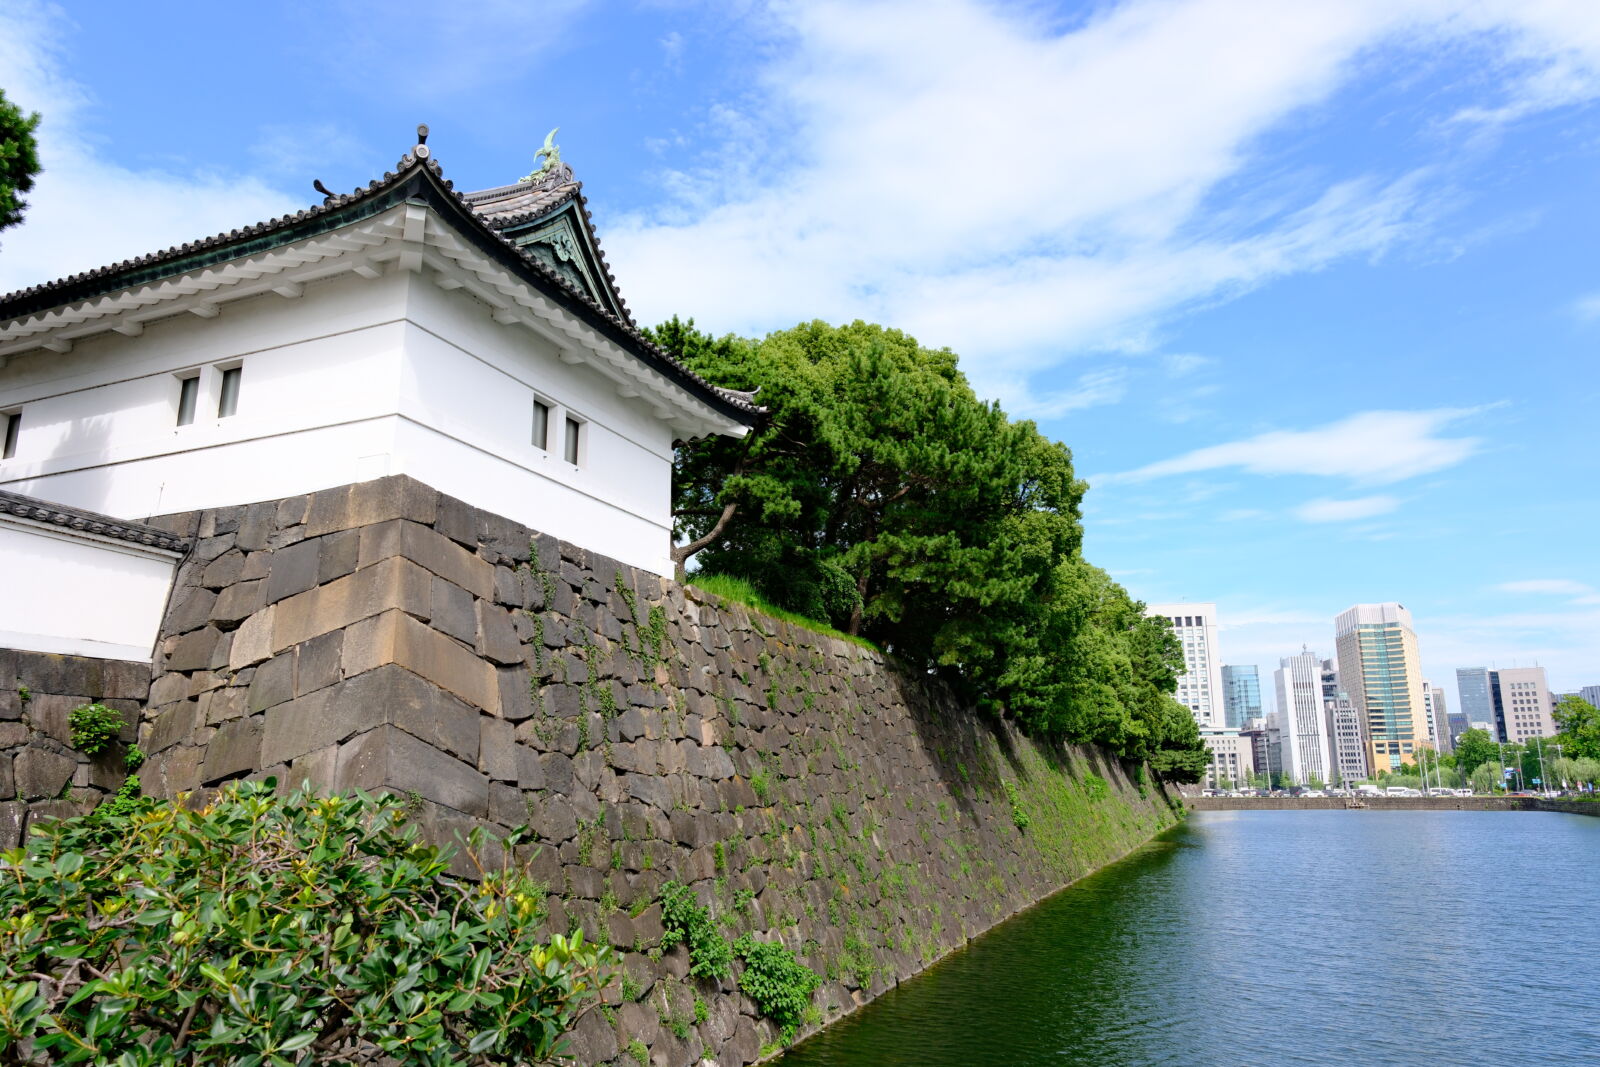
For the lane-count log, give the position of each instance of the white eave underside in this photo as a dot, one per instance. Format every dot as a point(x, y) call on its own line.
point(407, 237)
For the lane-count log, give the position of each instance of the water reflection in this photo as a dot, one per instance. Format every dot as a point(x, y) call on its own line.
point(1284, 938)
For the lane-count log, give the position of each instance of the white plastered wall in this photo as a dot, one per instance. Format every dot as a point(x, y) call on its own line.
point(80, 594)
point(355, 379)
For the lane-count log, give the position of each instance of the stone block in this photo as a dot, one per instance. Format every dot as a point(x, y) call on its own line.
point(224, 570)
point(434, 552)
point(318, 769)
point(273, 683)
point(12, 734)
point(256, 525)
point(40, 773)
point(516, 700)
point(293, 570)
point(453, 613)
point(8, 783)
point(238, 602)
point(317, 662)
point(313, 722)
point(416, 706)
point(193, 651)
point(530, 769)
point(393, 583)
point(497, 635)
point(497, 755)
point(224, 705)
point(368, 503)
point(396, 637)
point(233, 749)
point(389, 758)
point(13, 817)
point(340, 553)
point(291, 511)
point(457, 520)
point(252, 641)
point(650, 789)
point(189, 610)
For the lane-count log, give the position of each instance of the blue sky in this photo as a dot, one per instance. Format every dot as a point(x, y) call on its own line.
point(1309, 288)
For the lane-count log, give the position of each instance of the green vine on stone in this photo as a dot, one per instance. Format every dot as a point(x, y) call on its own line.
point(684, 920)
point(777, 982)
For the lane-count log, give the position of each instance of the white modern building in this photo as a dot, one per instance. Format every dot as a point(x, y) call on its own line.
point(1525, 698)
point(475, 342)
point(1200, 686)
point(1433, 699)
point(1307, 753)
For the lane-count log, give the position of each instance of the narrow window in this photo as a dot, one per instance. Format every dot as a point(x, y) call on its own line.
point(13, 426)
point(188, 395)
point(228, 401)
point(574, 434)
point(541, 424)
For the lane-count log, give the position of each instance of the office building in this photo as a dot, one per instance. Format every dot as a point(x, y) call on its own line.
point(1307, 755)
point(1344, 737)
point(1439, 736)
point(1525, 703)
point(1381, 670)
point(1591, 693)
point(1200, 685)
point(1266, 745)
point(1241, 688)
point(1232, 758)
point(1475, 688)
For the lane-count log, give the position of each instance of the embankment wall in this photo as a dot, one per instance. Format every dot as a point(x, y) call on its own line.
point(384, 636)
point(1574, 807)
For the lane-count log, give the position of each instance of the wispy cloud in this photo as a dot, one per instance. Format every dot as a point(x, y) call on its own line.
point(1026, 193)
point(1373, 447)
point(1580, 592)
point(1366, 507)
point(1587, 308)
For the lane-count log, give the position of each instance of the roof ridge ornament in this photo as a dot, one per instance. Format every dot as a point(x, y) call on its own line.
point(421, 150)
point(551, 170)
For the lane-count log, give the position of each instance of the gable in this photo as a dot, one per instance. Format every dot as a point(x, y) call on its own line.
point(563, 243)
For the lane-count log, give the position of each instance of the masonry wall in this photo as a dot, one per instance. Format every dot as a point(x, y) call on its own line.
point(41, 776)
point(384, 636)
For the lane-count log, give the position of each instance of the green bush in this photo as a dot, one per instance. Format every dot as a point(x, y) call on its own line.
point(270, 930)
point(94, 727)
point(778, 983)
point(685, 920)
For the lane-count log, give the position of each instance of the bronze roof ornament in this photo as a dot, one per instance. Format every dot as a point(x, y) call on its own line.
point(550, 154)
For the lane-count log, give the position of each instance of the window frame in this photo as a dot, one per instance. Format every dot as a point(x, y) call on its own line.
point(187, 403)
point(574, 439)
point(12, 433)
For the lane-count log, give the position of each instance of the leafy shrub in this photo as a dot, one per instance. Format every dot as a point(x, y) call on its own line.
point(134, 759)
point(685, 920)
point(1095, 787)
point(778, 983)
point(270, 930)
point(94, 727)
point(761, 784)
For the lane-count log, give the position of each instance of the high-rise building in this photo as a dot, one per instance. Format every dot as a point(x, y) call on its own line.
point(1475, 688)
point(1439, 736)
point(1525, 704)
point(1381, 670)
point(1307, 754)
point(1200, 685)
point(1241, 688)
point(1591, 693)
point(1344, 736)
point(1200, 689)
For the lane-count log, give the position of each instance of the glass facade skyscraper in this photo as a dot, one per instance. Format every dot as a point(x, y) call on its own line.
point(1241, 688)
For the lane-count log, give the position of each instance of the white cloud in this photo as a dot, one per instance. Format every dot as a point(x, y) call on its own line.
point(85, 210)
point(1023, 193)
point(1373, 447)
point(1325, 510)
point(1580, 592)
point(1587, 308)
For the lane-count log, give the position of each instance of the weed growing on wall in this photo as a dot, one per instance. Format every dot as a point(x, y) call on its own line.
point(1018, 816)
point(94, 727)
point(778, 983)
point(686, 921)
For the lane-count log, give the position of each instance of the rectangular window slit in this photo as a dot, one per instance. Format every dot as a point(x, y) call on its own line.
point(228, 402)
point(574, 432)
point(188, 396)
point(541, 424)
point(13, 426)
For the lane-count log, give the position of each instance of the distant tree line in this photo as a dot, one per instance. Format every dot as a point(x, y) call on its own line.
point(881, 496)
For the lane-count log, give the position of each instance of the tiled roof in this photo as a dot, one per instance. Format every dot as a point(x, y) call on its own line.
point(530, 200)
point(29, 507)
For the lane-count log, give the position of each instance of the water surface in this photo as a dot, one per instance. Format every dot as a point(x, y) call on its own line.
point(1324, 938)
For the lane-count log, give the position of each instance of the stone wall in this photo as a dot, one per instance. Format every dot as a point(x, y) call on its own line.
point(41, 776)
point(384, 636)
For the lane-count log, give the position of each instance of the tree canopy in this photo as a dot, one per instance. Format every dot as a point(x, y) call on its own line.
point(19, 159)
point(1475, 748)
point(1578, 723)
point(882, 496)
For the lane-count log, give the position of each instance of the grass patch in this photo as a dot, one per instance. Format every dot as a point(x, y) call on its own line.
point(742, 592)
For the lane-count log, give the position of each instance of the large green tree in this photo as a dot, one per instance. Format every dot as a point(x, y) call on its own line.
point(1475, 748)
point(19, 159)
point(882, 495)
point(1579, 724)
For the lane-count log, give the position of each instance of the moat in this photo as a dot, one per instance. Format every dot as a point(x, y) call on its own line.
point(1276, 937)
